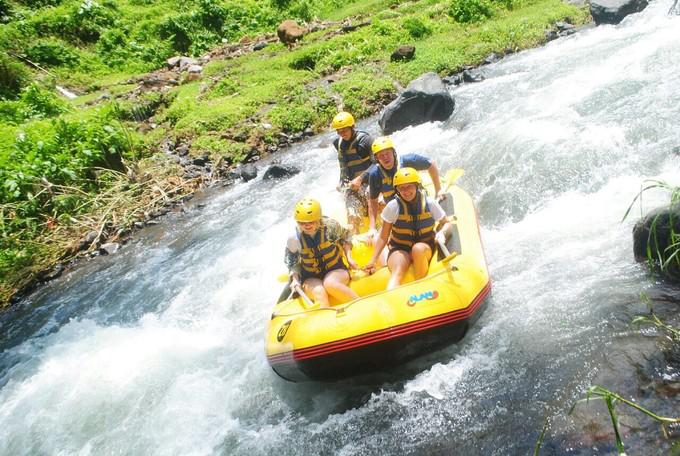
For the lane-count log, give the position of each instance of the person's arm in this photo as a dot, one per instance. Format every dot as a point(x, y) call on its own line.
point(433, 171)
point(444, 226)
point(372, 213)
point(379, 246)
point(292, 260)
point(344, 170)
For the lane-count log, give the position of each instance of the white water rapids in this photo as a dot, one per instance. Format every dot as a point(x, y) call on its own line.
point(158, 350)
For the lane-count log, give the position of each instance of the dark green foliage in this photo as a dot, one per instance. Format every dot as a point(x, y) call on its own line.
point(464, 11)
point(416, 27)
point(35, 103)
point(5, 11)
point(13, 76)
point(141, 110)
point(41, 103)
point(51, 53)
point(65, 154)
point(198, 30)
point(35, 4)
point(90, 19)
point(305, 61)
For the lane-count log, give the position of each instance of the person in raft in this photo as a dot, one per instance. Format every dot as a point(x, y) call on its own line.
point(380, 176)
point(409, 221)
point(354, 157)
point(314, 255)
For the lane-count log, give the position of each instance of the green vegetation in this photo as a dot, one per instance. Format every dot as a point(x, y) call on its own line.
point(69, 167)
point(612, 399)
point(662, 249)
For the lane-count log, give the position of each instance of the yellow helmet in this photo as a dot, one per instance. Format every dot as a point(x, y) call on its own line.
point(406, 176)
point(307, 210)
point(341, 120)
point(382, 143)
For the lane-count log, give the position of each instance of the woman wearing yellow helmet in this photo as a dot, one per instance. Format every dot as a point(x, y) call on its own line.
point(381, 174)
point(354, 157)
point(409, 223)
point(314, 254)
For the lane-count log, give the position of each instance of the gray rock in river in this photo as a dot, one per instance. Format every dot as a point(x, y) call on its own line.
point(425, 99)
point(655, 231)
point(613, 11)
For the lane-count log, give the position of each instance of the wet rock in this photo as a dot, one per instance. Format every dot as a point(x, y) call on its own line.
point(200, 161)
point(425, 99)
point(454, 79)
point(280, 171)
point(491, 58)
point(109, 248)
point(614, 11)
point(248, 172)
point(87, 240)
point(53, 273)
point(472, 76)
point(259, 46)
point(403, 53)
point(182, 150)
point(656, 232)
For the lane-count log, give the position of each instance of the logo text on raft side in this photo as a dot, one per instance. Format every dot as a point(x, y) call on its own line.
point(429, 295)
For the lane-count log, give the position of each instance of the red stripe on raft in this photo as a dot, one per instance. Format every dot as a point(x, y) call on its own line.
point(383, 334)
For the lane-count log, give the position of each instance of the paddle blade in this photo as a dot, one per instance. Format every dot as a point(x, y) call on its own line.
point(453, 175)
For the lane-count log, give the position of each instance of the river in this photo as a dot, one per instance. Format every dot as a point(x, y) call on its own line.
point(159, 348)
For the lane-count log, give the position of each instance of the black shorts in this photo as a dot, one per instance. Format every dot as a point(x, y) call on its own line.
point(304, 275)
point(394, 248)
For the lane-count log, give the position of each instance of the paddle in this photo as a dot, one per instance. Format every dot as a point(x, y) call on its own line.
point(305, 298)
point(449, 256)
point(451, 177)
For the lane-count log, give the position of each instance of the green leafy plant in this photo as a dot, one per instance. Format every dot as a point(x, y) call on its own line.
point(653, 320)
point(416, 27)
point(13, 77)
point(659, 252)
point(40, 102)
point(611, 399)
point(51, 53)
point(465, 11)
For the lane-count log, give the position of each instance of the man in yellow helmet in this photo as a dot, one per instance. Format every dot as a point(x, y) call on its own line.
point(409, 221)
point(314, 255)
point(380, 175)
point(354, 157)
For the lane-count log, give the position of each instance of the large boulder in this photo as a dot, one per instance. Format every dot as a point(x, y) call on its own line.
point(425, 99)
point(655, 233)
point(613, 11)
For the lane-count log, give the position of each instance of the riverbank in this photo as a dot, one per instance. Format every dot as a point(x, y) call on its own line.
point(174, 133)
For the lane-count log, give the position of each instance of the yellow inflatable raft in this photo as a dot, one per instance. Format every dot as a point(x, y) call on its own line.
point(382, 328)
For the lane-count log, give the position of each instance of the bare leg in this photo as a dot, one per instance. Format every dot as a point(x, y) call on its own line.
point(398, 262)
point(315, 290)
point(421, 254)
point(336, 283)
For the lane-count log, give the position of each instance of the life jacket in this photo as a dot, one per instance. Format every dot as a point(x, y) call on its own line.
point(414, 224)
point(386, 187)
point(349, 154)
point(317, 254)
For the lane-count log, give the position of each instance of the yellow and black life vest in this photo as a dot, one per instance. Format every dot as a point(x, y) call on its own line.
point(349, 154)
point(318, 255)
point(412, 226)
